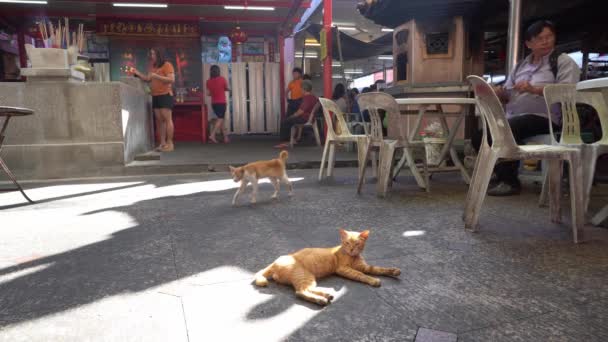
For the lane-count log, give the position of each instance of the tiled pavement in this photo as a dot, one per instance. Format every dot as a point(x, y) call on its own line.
point(168, 259)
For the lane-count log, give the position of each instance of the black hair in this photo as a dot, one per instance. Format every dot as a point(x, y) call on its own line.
point(306, 77)
point(214, 71)
point(365, 90)
point(354, 91)
point(339, 91)
point(161, 56)
point(537, 27)
point(298, 70)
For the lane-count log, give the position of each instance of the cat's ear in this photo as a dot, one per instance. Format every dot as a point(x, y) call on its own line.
point(232, 168)
point(343, 234)
point(364, 234)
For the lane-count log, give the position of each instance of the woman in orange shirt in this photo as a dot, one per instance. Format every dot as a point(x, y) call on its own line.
point(161, 79)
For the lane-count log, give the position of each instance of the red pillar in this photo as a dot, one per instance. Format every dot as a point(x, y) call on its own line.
point(327, 68)
point(282, 73)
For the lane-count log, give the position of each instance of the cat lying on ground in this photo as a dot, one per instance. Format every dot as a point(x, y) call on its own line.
point(302, 268)
point(251, 173)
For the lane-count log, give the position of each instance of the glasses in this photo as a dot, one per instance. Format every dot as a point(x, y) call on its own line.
point(543, 39)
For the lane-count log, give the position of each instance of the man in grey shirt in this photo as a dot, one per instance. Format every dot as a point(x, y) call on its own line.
point(523, 94)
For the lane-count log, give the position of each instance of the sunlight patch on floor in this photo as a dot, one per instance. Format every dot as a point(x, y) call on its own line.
point(5, 278)
point(57, 191)
point(411, 233)
point(273, 311)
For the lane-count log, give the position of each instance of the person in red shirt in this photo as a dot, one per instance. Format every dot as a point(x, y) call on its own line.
point(217, 86)
point(310, 105)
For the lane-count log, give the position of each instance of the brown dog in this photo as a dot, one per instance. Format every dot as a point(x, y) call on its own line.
point(272, 169)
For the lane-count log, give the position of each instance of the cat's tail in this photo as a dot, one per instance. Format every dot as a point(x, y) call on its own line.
point(283, 155)
point(261, 278)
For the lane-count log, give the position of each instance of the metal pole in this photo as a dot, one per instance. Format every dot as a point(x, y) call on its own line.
point(585, 65)
point(514, 35)
point(282, 73)
point(340, 56)
point(303, 57)
point(327, 68)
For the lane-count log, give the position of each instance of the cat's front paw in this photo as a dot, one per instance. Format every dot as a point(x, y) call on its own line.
point(395, 272)
point(375, 282)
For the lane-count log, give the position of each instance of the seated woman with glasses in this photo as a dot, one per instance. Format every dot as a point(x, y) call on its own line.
point(523, 94)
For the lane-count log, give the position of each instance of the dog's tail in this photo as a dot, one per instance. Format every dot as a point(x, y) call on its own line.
point(283, 155)
point(261, 278)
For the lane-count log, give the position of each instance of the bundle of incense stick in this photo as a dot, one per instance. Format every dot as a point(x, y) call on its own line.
point(60, 36)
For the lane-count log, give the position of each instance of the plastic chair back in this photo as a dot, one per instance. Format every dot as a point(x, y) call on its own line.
point(329, 107)
point(494, 115)
point(373, 102)
point(565, 96)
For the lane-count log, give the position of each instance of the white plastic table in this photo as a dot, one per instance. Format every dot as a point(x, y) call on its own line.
point(415, 139)
point(597, 85)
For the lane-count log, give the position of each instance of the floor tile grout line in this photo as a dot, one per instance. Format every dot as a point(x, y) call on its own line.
point(222, 282)
point(181, 300)
point(398, 309)
point(177, 277)
point(507, 322)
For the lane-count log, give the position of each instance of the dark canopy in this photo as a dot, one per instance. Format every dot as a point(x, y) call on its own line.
point(393, 13)
point(353, 48)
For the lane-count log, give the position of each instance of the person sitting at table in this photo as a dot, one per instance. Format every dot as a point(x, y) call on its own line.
point(310, 105)
point(523, 94)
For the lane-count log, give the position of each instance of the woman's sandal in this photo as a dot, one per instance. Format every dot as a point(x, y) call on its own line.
point(167, 148)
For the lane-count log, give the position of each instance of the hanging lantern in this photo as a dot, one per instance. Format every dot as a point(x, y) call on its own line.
point(238, 36)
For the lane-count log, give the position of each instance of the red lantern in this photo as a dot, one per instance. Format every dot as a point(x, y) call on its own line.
point(238, 36)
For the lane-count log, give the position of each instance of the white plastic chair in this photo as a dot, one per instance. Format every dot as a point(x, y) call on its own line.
point(332, 139)
point(504, 146)
point(312, 123)
point(567, 96)
point(373, 102)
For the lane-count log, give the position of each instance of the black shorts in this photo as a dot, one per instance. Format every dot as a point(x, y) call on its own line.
point(293, 106)
point(162, 101)
point(219, 109)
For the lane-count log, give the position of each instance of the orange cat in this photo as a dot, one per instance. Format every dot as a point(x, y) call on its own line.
point(253, 172)
point(302, 268)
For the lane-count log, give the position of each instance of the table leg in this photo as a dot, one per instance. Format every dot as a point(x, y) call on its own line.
point(405, 157)
point(449, 145)
point(416, 129)
point(12, 177)
point(5, 167)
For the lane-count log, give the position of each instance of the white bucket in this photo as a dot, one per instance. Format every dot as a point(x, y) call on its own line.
point(433, 147)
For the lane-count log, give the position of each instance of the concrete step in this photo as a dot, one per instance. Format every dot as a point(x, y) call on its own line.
point(150, 155)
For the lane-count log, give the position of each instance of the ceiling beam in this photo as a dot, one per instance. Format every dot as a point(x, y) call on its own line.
point(245, 19)
point(272, 3)
point(251, 32)
point(79, 15)
point(291, 16)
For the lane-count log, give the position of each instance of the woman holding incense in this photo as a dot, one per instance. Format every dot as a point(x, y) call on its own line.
point(161, 79)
